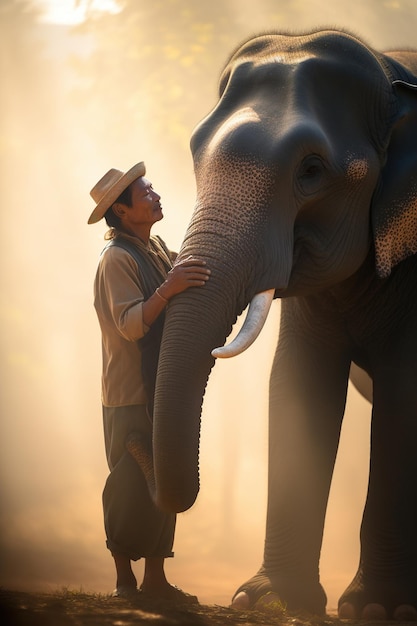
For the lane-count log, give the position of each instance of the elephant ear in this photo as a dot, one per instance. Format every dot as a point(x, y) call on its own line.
point(394, 208)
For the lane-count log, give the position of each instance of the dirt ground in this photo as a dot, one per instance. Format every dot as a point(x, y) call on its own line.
point(68, 608)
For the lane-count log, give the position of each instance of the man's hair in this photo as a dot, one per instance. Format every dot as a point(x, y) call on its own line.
point(113, 220)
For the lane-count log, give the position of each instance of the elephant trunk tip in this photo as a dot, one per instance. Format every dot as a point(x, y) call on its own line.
point(171, 502)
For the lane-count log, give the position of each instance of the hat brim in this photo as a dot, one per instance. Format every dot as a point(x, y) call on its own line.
point(114, 192)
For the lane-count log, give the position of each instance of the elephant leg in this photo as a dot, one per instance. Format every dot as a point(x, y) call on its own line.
point(385, 585)
point(307, 399)
point(289, 575)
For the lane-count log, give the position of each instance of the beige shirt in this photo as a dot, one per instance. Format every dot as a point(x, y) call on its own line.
point(118, 300)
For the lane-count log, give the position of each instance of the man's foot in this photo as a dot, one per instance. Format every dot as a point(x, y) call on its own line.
point(126, 583)
point(168, 593)
point(123, 591)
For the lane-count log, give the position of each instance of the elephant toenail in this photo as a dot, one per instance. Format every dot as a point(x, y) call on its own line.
point(347, 611)
point(374, 611)
point(405, 613)
point(241, 601)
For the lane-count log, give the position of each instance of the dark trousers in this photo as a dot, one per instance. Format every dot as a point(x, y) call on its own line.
point(134, 526)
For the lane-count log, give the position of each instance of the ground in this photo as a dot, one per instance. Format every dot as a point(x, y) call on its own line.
point(75, 608)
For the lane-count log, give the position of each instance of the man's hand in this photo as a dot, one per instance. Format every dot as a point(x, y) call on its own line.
point(190, 272)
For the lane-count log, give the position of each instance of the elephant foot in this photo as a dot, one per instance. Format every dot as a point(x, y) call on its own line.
point(140, 448)
point(270, 601)
point(376, 600)
point(279, 593)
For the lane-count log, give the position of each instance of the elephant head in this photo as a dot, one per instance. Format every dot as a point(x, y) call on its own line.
point(306, 164)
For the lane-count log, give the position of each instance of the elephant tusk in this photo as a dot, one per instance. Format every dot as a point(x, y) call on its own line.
point(362, 381)
point(252, 326)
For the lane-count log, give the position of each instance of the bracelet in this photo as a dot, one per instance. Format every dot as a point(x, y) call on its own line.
point(161, 296)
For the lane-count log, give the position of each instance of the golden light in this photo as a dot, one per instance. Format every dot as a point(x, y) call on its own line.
point(52, 458)
point(73, 11)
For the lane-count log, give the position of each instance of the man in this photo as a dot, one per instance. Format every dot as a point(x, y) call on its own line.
point(135, 280)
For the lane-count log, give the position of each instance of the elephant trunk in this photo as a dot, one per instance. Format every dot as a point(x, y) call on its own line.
point(184, 368)
point(198, 321)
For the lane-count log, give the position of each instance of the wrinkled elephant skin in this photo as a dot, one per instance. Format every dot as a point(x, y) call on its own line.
point(306, 174)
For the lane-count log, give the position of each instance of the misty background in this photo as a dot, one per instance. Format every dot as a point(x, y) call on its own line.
point(128, 81)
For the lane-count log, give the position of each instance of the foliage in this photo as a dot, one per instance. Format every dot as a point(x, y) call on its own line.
point(158, 64)
point(153, 63)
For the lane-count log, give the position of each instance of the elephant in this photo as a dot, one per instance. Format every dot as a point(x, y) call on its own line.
point(306, 191)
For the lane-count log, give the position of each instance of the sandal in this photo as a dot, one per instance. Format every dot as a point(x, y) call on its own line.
point(125, 592)
point(171, 594)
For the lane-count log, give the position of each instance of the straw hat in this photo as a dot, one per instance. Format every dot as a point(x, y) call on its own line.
point(109, 188)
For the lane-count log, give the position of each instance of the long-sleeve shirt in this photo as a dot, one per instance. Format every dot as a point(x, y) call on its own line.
point(118, 300)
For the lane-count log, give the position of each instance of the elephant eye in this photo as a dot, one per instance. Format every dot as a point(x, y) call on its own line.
point(311, 166)
point(311, 170)
point(311, 174)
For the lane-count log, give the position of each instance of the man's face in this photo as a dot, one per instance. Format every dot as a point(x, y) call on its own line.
point(146, 207)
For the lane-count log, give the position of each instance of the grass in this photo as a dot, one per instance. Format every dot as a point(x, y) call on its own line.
point(76, 608)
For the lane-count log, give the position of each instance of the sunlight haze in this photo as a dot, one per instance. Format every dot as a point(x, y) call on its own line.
point(73, 11)
point(89, 87)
